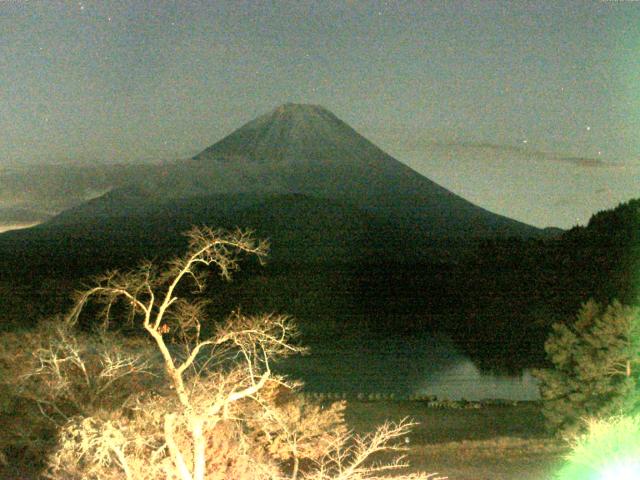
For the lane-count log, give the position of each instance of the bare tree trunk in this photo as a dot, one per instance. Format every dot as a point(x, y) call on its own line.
point(123, 462)
point(296, 466)
point(174, 451)
point(198, 449)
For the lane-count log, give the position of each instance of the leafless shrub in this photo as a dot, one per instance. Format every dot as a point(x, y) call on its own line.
point(213, 410)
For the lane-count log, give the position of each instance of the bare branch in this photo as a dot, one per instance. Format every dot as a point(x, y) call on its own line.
point(217, 389)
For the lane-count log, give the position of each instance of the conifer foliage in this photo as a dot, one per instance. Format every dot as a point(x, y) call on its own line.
point(596, 366)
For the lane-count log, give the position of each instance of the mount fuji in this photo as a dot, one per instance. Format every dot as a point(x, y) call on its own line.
point(299, 176)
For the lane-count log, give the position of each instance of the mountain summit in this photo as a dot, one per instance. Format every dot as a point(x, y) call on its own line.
point(304, 149)
point(302, 177)
point(293, 133)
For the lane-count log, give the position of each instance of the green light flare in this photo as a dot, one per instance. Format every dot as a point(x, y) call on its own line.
point(626, 470)
point(609, 450)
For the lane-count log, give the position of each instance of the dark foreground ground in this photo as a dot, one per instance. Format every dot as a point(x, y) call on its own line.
point(489, 443)
point(499, 442)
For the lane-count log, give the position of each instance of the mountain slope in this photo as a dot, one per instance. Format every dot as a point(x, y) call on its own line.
point(298, 176)
point(306, 149)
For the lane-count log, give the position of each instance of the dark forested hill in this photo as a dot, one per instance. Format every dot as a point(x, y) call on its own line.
point(521, 287)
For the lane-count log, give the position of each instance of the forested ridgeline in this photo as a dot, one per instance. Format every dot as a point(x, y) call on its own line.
point(498, 301)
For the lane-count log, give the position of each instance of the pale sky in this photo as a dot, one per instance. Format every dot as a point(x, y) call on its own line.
point(130, 80)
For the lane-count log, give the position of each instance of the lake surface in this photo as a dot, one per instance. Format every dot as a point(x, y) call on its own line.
point(420, 364)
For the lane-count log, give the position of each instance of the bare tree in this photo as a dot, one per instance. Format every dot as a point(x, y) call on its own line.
point(220, 411)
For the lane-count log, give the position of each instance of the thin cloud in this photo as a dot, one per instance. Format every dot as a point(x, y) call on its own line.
point(585, 162)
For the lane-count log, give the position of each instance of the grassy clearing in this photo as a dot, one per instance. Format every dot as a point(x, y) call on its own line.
point(494, 442)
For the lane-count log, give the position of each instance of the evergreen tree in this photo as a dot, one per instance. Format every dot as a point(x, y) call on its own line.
point(596, 366)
